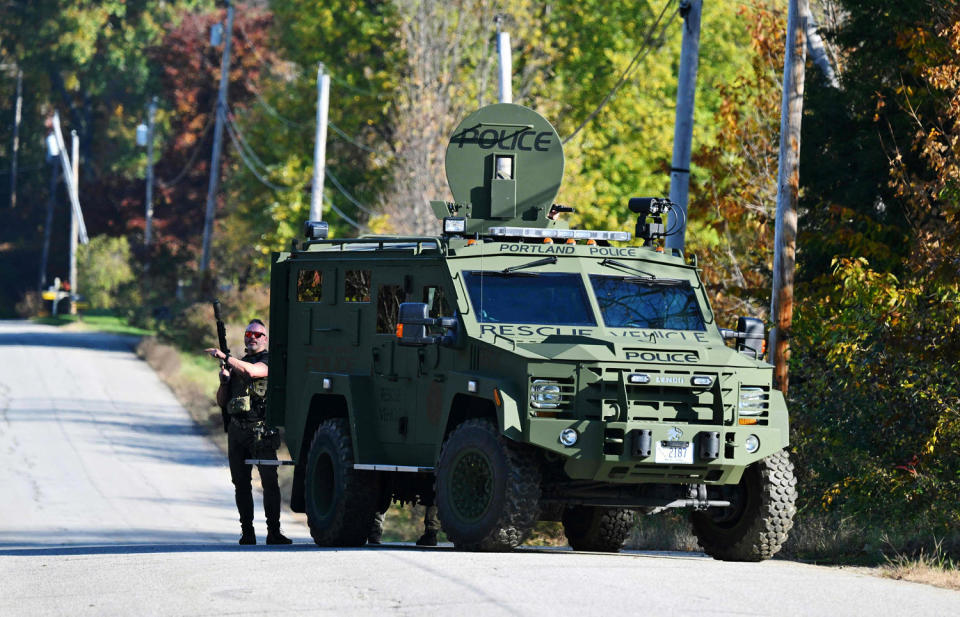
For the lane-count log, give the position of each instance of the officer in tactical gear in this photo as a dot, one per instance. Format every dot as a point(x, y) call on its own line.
point(431, 523)
point(242, 392)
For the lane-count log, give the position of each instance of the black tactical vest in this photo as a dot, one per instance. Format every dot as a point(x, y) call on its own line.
point(248, 397)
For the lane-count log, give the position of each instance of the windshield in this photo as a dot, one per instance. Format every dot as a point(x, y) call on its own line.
point(627, 302)
point(554, 298)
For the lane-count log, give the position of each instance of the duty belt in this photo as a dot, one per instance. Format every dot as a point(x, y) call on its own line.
point(245, 424)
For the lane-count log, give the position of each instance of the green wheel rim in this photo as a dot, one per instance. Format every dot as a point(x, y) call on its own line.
point(471, 485)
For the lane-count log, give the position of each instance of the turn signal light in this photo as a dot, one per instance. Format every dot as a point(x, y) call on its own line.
point(399, 330)
point(748, 421)
point(548, 240)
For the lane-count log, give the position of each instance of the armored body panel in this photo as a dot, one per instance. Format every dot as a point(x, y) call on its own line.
point(516, 370)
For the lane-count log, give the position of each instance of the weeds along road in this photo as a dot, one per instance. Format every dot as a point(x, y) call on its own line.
point(113, 503)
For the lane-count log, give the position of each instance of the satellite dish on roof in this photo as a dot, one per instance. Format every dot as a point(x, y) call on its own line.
point(504, 166)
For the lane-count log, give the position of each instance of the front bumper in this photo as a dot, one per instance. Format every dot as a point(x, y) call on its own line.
point(605, 451)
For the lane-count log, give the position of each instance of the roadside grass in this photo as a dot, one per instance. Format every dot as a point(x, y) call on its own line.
point(932, 568)
point(101, 321)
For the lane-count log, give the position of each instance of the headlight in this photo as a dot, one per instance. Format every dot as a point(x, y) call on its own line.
point(545, 394)
point(569, 436)
point(753, 401)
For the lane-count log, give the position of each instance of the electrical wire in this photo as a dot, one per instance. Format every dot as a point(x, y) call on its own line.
point(250, 166)
point(189, 164)
point(344, 191)
point(350, 140)
point(645, 48)
point(231, 122)
point(342, 214)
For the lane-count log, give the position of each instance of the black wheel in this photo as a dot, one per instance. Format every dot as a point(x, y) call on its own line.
point(488, 488)
point(760, 515)
point(597, 529)
point(340, 500)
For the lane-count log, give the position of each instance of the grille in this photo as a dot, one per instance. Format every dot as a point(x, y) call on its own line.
point(611, 398)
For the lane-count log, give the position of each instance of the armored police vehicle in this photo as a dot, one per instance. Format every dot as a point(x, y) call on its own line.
point(516, 370)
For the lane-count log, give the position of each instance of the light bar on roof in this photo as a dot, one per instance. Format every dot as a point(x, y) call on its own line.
point(576, 234)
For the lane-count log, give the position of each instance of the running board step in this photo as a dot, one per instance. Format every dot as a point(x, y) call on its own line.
point(272, 462)
point(406, 468)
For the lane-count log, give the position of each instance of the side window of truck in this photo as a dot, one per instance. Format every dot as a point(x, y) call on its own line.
point(309, 285)
point(356, 286)
point(389, 298)
point(436, 301)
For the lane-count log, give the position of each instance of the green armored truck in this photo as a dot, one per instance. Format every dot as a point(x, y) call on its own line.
point(516, 370)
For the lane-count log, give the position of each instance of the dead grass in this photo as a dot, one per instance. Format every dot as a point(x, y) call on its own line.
point(933, 568)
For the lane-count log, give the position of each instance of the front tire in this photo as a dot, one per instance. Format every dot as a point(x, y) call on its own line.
point(759, 518)
point(602, 530)
point(488, 488)
point(340, 501)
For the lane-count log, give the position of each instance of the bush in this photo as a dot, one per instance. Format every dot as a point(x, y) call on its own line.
point(30, 305)
point(105, 273)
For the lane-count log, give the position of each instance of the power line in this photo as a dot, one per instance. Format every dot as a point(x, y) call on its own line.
point(249, 150)
point(642, 53)
point(350, 140)
point(193, 157)
point(343, 215)
point(344, 191)
point(249, 165)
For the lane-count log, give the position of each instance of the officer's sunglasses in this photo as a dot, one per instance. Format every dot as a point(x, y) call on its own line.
point(253, 334)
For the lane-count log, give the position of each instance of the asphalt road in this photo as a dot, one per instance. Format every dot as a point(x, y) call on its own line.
point(113, 503)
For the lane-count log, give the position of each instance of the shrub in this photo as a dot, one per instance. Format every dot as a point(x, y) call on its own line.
point(105, 275)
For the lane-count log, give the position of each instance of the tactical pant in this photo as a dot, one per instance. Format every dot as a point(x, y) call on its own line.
point(431, 522)
point(242, 443)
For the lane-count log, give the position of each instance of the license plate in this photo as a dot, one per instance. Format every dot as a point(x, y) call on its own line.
point(673, 453)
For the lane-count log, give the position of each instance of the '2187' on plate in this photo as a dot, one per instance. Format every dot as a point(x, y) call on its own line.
point(673, 453)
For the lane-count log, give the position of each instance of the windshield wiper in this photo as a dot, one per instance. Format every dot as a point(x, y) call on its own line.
point(539, 262)
point(617, 264)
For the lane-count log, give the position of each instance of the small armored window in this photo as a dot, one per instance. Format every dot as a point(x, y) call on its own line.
point(357, 286)
point(389, 298)
point(309, 285)
point(436, 301)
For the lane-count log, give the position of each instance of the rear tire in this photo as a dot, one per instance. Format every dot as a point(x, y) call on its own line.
point(340, 501)
point(759, 518)
point(488, 488)
point(601, 530)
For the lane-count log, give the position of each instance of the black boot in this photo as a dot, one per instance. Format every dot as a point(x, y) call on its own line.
point(275, 536)
point(429, 538)
point(248, 536)
point(376, 530)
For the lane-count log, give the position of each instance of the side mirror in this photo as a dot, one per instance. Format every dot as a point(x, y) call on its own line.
point(749, 336)
point(412, 324)
point(413, 321)
point(750, 340)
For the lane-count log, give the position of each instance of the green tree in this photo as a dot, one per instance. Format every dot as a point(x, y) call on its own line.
point(104, 270)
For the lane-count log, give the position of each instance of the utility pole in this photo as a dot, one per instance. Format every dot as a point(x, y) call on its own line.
point(151, 114)
point(74, 196)
point(74, 227)
point(221, 111)
point(788, 187)
point(690, 10)
point(320, 144)
point(506, 62)
point(51, 200)
point(17, 108)
point(815, 47)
